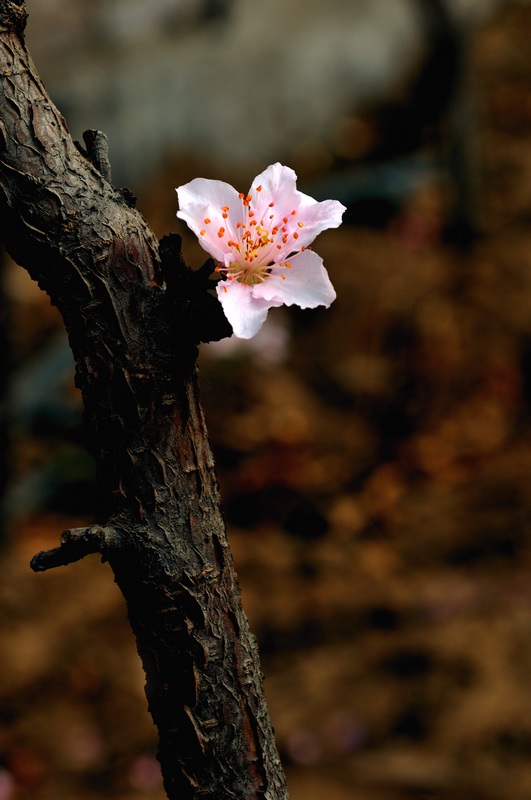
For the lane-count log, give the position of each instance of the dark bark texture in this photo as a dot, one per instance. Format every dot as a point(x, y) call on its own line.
point(134, 314)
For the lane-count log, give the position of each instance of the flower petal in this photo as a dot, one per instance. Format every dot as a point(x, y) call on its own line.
point(212, 210)
point(316, 217)
point(205, 192)
point(305, 283)
point(245, 312)
point(195, 216)
point(278, 186)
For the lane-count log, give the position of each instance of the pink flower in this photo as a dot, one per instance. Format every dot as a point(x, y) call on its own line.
point(260, 243)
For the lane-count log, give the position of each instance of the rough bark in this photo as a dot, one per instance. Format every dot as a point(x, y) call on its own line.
point(134, 313)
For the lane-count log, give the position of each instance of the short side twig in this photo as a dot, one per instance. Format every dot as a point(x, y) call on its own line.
point(76, 543)
point(98, 152)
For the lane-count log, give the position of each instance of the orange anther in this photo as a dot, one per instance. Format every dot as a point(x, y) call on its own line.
point(221, 232)
point(271, 205)
point(207, 221)
point(293, 212)
point(241, 195)
point(295, 235)
point(224, 215)
point(224, 208)
point(202, 232)
point(300, 224)
point(259, 188)
point(285, 219)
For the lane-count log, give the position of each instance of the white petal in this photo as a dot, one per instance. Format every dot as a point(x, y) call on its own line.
point(195, 217)
point(202, 200)
point(278, 187)
point(202, 191)
point(317, 217)
point(245, 312)
point(305, 284)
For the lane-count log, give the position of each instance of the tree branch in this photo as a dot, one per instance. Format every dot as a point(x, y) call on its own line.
point(134, 314)
point(76, 543)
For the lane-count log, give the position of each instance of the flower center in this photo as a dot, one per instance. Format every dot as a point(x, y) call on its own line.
point(258, 246)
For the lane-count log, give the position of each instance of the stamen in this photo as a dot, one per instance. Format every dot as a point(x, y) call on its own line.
point(300, 224)
point(221, 232)
point(207, 221)
point(202, 232)
point(259, 188)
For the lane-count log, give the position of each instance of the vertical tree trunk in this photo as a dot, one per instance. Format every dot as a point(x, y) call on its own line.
point(134, 313)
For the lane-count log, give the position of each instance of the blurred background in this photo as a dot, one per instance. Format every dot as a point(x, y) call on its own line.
point(374, 458)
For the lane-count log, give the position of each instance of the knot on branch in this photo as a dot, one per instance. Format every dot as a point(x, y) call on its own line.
point(201, 313)
point(13, 16)
point(76, 543)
